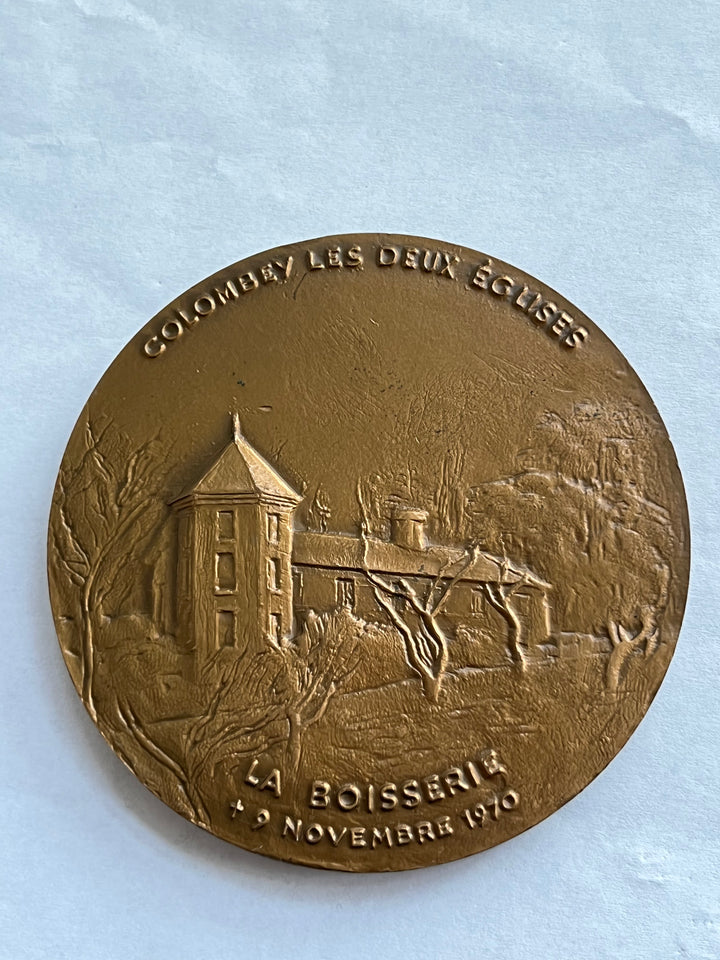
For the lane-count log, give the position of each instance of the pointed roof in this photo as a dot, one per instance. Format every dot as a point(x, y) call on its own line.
point(241, 471)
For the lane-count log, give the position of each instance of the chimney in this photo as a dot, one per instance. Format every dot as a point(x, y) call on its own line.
point(407, 527)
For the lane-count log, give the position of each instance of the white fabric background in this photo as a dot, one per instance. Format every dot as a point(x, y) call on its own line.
point(146, 144)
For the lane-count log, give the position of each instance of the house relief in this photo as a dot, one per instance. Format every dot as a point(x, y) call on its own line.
point(247, 576)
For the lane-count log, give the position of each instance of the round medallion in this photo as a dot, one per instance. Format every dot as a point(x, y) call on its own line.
point(368, 552)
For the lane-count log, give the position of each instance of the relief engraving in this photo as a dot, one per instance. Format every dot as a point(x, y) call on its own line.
point(394, 589)
point(275, 616)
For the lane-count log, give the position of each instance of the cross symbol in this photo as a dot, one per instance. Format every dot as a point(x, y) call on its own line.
point(236, 806)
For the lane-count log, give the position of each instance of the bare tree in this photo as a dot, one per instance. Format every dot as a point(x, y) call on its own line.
point(379, 493)
point(318, 514)
point(185, 784)
point(624, 644)
point(318, 661)
point(237, 716)
point(254, 705)
point(412, 615)
point(424, 638)
point(415, 616)
point(101, 504)
point(449, 499)
point(498, 595)
point(244, 715)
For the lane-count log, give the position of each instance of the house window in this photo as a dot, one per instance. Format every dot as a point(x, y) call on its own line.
point(477, 601)
point(297, 586)
point(273, 573)
point(273, 527)
point(224, 571)
point(345, 592)
point(224, 628)
point(225, 525)
point(275, 627)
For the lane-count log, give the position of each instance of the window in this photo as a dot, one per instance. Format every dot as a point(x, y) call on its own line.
point(297, 586)
point(275, 627)
point(273, 573)
point(345, 592)
point(273, 527)
point(224, 571)
point(225, 525)
point(477, 601)
point(224, 628)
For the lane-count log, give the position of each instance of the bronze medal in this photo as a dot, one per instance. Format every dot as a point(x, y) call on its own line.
point(368, 553)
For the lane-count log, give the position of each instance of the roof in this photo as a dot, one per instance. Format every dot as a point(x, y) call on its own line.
point(241, 471)
point(341, 551)
point(409, 513)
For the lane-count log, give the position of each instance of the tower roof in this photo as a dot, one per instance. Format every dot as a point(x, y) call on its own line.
point(241, 471)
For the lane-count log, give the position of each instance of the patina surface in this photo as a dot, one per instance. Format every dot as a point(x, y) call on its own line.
point(368, 552)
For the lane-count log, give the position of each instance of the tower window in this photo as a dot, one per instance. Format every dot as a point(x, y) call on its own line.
point(275, 627)
point(224, 629)
point(224, 571)
point(273, 527)
point(345, 592)
point(225, 525)
point(273, 573)
point(184, 577)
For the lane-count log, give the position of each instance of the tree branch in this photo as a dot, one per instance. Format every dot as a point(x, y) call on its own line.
point(468, 561)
